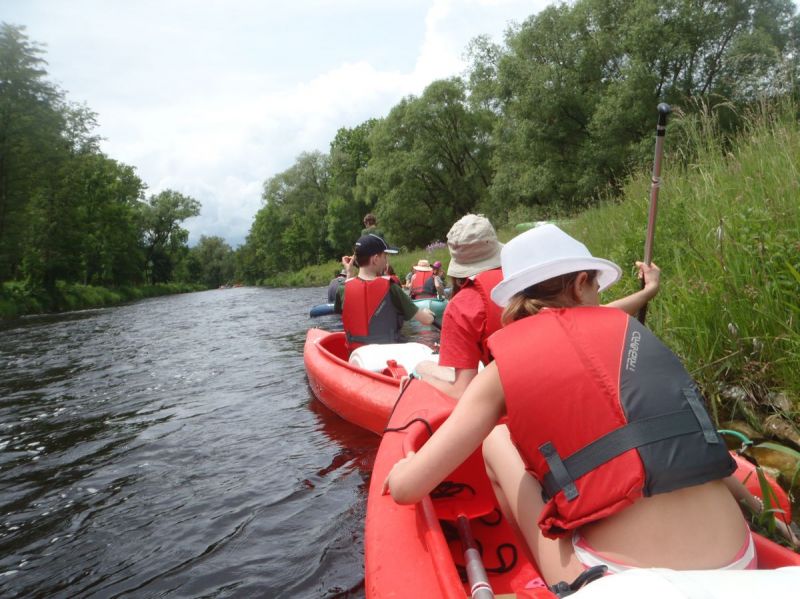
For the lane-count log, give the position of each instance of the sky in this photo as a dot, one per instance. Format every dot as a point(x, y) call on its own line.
point(211, 98)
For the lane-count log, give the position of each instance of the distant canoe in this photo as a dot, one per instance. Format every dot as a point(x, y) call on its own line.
point(321, 310)
point(436, 306)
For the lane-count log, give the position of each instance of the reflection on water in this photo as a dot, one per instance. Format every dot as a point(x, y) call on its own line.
point(171, 447)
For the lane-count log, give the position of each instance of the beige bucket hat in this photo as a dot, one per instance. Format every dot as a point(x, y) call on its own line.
point(545, 252)
point(422, 265)
point(473, 246)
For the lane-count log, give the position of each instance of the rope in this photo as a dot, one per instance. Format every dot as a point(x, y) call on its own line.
point(409, 423)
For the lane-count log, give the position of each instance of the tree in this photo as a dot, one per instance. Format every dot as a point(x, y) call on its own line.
point(430, 163)
point(110, 206)
point(163, 238)
point(579, 83)
point(350, 154)
point(30, 141)
point(211, 262)
point(290, 231)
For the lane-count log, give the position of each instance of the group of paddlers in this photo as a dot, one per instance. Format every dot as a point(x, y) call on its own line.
point(595, 438)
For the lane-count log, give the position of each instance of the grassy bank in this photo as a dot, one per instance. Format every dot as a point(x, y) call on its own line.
point(18, 299)
point(728, 243)
point(321, 274)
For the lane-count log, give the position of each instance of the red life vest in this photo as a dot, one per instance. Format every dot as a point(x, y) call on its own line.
point(484, 283)
point(418, 280)
point(368, 314)
point(602, 414)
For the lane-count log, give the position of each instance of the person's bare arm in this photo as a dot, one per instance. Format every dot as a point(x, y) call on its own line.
point(431, 373)
point(471, 421)
point(424, 316)
point(635, 301)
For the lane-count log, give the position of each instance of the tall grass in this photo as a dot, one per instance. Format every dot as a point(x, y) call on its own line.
point(728, 242)
point(321, 274)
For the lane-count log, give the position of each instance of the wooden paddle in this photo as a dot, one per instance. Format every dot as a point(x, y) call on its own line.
point(661, 129)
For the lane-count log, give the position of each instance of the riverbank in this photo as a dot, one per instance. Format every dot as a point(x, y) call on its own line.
point(17, 299)
point(727, 243)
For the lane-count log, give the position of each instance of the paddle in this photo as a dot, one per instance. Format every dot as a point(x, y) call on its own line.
point(661, 129)
point(476, 573)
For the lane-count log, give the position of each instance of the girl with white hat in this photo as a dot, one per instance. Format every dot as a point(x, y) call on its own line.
point(609, 456)
point(471, 317)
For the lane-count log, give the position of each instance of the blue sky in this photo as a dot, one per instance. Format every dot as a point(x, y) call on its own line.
point(212, 97)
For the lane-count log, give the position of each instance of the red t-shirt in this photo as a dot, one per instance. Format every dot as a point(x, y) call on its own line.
point(462, 325)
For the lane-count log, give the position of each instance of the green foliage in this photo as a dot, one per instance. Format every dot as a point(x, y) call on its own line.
point(544, 125)
point(430, 163)
point(69, 215)
point(726, 240)
point(211, 262)
point(578, 84)
point(349, 156)
point(18, 299)
point(764, 521)
point(164, 239)
point(30, 135)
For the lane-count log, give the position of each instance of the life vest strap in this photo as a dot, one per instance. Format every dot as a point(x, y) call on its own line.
point(565, 471)
point(694, 401)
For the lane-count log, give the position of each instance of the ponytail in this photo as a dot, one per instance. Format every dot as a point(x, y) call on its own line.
point(547, 294)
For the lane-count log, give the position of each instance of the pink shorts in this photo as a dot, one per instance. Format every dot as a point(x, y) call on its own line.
point(745, 559)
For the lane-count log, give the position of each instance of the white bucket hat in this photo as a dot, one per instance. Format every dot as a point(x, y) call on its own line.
point(473, 246)
point(545, 252)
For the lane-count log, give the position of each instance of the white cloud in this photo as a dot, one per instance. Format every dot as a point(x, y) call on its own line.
point(212, 98)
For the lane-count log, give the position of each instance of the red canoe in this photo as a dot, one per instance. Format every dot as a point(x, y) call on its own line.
point(414, 550)
point(360, 396)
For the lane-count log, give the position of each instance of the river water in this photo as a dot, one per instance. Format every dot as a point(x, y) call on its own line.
point(171, 448)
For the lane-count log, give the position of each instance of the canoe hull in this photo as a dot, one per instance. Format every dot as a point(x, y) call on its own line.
point(360, 397)
point(321, 310)
point(408, 553)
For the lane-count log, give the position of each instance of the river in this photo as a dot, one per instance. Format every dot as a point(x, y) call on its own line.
point(171, 448)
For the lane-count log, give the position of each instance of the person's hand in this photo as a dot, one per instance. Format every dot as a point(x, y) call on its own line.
point(399, 465)
point(347, 263)
point(651, 275)
point(429, 315)
point(787, 532)
point(426, 367)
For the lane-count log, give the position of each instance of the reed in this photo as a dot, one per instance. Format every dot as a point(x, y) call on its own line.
point(727, 241)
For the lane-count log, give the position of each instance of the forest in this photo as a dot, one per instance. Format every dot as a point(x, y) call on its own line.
point(71, 215)
point(541, 127)
point(547, 124)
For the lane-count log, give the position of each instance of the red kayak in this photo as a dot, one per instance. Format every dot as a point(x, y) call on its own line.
point(363, 396)
point(415, 550)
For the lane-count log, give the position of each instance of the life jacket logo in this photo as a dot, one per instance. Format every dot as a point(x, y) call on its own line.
point(633, 351)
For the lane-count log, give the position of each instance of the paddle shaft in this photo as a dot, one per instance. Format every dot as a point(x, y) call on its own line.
point(655, 184)
point(476, 573)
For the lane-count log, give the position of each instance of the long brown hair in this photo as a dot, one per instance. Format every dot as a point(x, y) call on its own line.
point(547, 294)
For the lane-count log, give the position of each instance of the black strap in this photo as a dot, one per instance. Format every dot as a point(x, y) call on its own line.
point(610, 445)
point(565, 589)
point(559, 475)
point(693, 398)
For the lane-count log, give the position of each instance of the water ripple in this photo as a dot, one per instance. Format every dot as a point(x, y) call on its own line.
point(170, 448)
